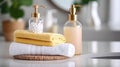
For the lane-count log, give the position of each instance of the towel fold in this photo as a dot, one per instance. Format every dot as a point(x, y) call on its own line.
point(37, 42)
point(65, 49)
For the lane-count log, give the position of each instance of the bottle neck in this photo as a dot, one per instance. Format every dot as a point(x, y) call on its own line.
point(72, 18)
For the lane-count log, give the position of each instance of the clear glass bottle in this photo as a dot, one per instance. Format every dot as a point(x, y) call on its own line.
point(36, 22)
point(36, 25)
point(73, 31)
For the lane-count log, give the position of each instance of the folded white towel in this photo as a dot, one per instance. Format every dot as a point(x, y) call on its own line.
point(65, 49)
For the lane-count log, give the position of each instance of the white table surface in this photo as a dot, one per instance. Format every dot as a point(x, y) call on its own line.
point(90, 50)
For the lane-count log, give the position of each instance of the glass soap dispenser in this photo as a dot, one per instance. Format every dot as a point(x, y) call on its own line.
point(73, 30)
point(36, 22)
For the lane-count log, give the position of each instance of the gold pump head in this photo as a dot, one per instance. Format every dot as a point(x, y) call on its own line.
point(36, 14)
point(72, 15)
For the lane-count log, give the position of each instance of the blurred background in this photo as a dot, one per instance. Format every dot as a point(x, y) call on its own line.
point(100, 18)
point(100, 21)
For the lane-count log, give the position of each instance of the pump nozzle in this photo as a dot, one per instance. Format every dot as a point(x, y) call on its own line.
point(36, 14)
point(72, 15)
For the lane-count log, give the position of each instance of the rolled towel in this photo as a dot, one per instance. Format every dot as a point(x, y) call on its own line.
point(65, 49)
point(45, 39)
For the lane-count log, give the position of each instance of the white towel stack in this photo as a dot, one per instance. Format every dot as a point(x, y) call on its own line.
point(65, 49)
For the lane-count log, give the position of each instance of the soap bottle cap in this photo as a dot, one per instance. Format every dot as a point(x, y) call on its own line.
point(36, 14)
point(72, 15)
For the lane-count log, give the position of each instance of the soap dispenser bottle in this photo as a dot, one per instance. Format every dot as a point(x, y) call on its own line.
point(73, 30)
point(36, 22)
